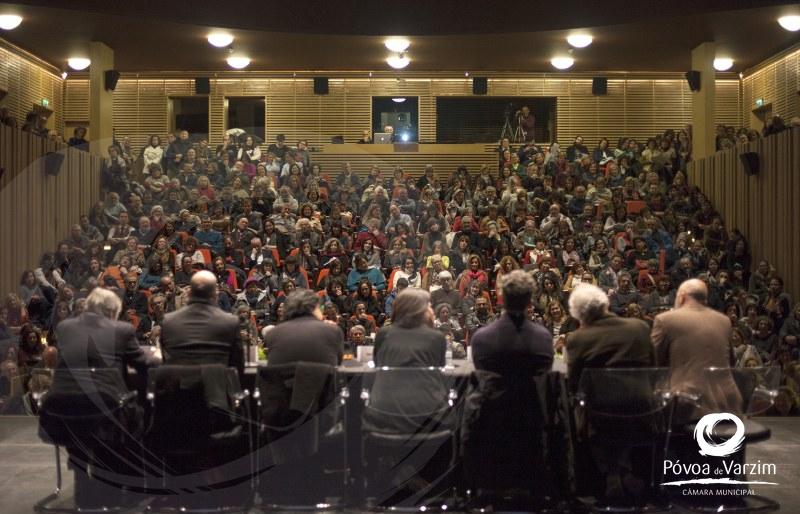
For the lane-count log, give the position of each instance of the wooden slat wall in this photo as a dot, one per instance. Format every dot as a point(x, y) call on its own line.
point(27, 83)
point(777, 81)
point(36, 210)
point(765, 207)
point(634, 107)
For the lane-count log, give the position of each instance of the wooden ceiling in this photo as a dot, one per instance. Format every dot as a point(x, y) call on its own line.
point(346, 35)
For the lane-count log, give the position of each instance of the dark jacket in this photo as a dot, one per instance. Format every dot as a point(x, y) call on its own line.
point(415, 397)
point(503, 348)
point(94, 341)
point(304, 339)
point(202, 333)
point(608, 342)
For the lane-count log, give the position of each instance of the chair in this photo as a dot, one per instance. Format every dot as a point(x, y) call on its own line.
point(409, 441)
point(200, 466)
point(91, 413)
point(510, 415)
point(755, 389)
point(621, 414)
point(206, 255)
point(300, 462)
point(635, 206)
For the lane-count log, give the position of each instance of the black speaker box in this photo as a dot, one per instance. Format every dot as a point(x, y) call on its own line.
point(751, 163)
point(320, 85)
point(202, 86)
point(480, 86)
point(693, 78)
point(53, 162)
point(599, 86)
point(111, 76)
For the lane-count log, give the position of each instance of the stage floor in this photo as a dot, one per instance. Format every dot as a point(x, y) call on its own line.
point(27, 471)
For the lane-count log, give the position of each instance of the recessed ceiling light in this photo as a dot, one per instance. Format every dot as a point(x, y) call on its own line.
point(220, 39)
point(238, 61)
point(397, 44)
point(398, 61)
point(723, 63)
point(10, 21)
point(398, 100)
point(790, 23)
point(562, 63)
point(78, 63)
point(579, 40)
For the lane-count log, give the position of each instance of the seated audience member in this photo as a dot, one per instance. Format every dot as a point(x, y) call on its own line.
point(362, 271)
point(512, 344)
point(302, 336)
point(201, 333)
point(446, 293)
point(357, 337)
point(689, 340)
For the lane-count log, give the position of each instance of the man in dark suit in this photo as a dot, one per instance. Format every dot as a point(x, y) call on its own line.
point(512, 343)
point(304, 337)
point(96, 340)
point(201, 332)
point(690, 339)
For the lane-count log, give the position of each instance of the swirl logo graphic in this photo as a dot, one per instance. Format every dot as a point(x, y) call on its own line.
point(704, 431)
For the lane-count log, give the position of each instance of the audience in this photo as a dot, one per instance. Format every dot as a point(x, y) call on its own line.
point(267, 220)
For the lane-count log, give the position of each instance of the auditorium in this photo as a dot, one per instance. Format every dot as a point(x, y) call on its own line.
point(410, 257)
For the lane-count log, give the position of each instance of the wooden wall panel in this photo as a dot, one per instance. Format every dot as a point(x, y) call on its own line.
point(765, 207)
point(777, 81)
point(36, 210)
point(635, 106)
point(27, 81)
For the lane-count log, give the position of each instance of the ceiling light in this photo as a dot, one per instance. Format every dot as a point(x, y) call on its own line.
point(562, 63)
point(238, 61)
point(9, 21)
point(398, 100)
point(220, 39)
point(398, 61)
point(78, 63)
point(790, 23)
point(579, 40)
point(397, 44)
point(723, 63)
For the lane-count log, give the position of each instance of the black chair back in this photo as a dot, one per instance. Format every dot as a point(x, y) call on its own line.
point(194, 406)
point(297, 408)
point(89, 406)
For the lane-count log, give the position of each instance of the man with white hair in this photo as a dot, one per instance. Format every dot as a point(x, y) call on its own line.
point(603, 340)
point(690, 339)
point(95, 339)
point(446, 293)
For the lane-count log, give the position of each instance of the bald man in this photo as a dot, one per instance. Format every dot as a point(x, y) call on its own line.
point(688, 340)
point(201, 332)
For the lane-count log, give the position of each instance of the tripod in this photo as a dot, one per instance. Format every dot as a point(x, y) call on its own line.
point(513, 135)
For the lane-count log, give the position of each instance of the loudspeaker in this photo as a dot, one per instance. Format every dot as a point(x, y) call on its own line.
point(599, 86)
point(320, 85)
point(202, 86)
point(111, 76)
point(693, 78)
point(53, 162)
point(480, 86)
point(751, 163)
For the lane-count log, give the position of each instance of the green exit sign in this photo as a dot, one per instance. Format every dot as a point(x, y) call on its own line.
point(759, 102)
point(45, 102)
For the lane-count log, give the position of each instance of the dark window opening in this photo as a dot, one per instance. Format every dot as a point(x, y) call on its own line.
point(482, 119)
point(401, 112)
point(248, 114)
point(191, 113)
